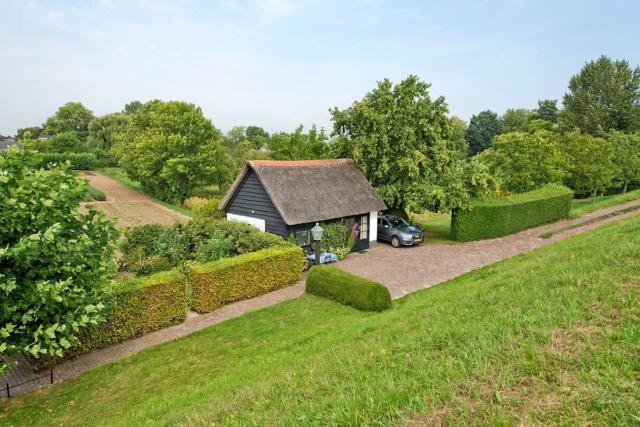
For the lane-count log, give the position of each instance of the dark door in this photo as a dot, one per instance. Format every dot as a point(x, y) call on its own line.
point(359, 229)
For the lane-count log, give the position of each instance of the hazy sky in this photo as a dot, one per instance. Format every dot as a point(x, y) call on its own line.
point(280, 63)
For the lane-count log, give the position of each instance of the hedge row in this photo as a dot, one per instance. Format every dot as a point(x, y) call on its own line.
point(244, 276)
point(347, 288)
point(138, 307)
point(508, 215)
point(79, 161)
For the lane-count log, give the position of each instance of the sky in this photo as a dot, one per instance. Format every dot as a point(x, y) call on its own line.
point(282, 63)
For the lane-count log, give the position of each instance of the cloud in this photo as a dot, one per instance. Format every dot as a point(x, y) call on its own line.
point(266, 11)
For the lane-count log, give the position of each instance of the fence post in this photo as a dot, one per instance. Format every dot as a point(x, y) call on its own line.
point(8, 392)
point(51, 375)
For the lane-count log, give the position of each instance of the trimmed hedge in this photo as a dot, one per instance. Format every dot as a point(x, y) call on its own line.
point(508, 215)
point(244, 276)
point(138, 307)
point(346, 288)
point(79, 161)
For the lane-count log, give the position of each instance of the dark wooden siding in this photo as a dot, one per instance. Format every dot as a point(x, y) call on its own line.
point(252, 200)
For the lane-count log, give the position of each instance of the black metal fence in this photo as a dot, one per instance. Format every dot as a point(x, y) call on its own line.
point(8, 387)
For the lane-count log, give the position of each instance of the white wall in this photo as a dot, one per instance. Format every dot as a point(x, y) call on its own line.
point(256, 222)
point(373, 226)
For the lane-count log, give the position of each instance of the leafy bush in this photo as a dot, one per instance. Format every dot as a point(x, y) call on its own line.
point(79, 161)
point(54, 260)
point(507, 215)
point(194, 202)
point(217, 247)
point(209, 210)
point(245, 276)
point(137, 307)
point(143, 237)
point(336, 239)
point(346, 288)
point(201, 229)
point(258, 241)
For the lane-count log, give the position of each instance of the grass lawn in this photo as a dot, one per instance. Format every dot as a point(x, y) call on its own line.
point(581, 207)
point(437, 226)
point(548, 337)
point(119, 175)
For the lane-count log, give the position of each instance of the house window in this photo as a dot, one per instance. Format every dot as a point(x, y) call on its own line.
point(303, 238)
point(364, 227)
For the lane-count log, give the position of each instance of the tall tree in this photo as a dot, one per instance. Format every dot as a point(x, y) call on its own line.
point(400, 139)
point(53, 259)
point(626, 155)
point(257, 136)
point(103, 131)
point(591, 165)
point(34, 131)
point(132, 107)
point(458, 129)
point(604, 96)
point(547, 110)
point(170, 148)
point(298, 145)
point(516, 120)
point(235, 136)
point(71, 117)
point(522, 161)
point(482, 129)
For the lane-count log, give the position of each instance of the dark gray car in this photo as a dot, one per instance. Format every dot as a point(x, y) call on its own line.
point(398, 232)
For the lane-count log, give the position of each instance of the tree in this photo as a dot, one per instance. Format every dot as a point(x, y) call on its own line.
point(103, 131)
point(547, 110)
point(516, 120)
point(71, 117)
point(482, 128)
point(170, 148)
point(298, 145)
point(34, 131)
point(257, 136)
point(400, 138)
point(458, 129)
point(523, 161)
point(132, 107)
point(235, 136)
point(591, 166)
point(604, 96)
point(626, 155)
point(53, 259)
point(66, 142)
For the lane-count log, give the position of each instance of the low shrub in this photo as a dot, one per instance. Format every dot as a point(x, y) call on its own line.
point(508, 215)
point(137, 307)
point(217, 247)
point(346, 288)
point(335, 239)
point(208, 210)
point(258, 241)
point(93, 194)
point(194, 202)
point(245, 276)
point(79, 161)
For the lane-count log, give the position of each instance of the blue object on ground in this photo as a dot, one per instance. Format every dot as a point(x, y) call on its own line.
point(325, 257)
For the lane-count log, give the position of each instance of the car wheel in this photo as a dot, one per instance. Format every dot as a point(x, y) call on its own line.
point(395, 242)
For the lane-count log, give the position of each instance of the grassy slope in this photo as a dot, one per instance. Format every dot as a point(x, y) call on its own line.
point(119, 175)
point(550, 335)
point(438, 226)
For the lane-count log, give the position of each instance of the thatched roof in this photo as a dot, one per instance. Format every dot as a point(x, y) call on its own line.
point(311, 190)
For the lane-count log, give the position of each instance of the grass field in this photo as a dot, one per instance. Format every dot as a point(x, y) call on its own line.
point(548, 337)
point(437, 226)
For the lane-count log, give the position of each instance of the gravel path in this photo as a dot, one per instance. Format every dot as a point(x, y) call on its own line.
point(403, 270)
point(130, 207)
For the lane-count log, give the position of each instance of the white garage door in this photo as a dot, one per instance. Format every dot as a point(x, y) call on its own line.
point(256, 222)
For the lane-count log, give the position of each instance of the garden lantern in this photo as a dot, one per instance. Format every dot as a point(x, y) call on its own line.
point(317, 232)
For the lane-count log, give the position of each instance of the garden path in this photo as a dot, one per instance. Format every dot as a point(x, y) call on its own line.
point(403, 271)
point(130, 207)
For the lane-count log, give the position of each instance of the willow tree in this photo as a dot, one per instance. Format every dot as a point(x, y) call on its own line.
point(401, 140)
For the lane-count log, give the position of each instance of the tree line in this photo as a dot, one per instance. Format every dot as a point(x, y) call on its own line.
point(413, 153)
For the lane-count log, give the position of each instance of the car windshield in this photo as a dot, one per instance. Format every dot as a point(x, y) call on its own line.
point(398, 222)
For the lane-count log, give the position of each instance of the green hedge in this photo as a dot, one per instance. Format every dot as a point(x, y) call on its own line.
point(508, 215)
point(347, 288)
point(79, 161)
point(138, 307)
point(244, 276)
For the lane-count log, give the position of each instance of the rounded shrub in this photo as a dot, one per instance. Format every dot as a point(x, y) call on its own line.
point(346, 288)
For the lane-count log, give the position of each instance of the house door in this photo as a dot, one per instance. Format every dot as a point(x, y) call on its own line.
point(358, 227)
